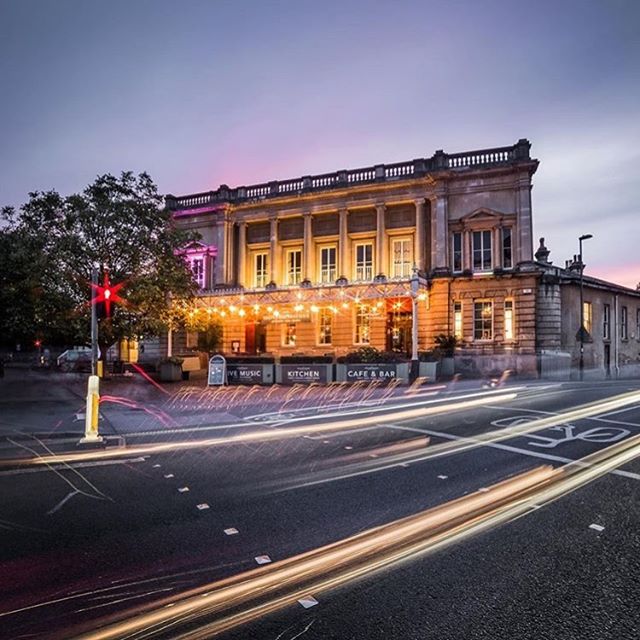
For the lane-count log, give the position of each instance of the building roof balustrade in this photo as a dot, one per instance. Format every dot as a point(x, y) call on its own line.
point(440, 161)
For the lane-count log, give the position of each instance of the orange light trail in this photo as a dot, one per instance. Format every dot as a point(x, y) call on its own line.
point(267, 589)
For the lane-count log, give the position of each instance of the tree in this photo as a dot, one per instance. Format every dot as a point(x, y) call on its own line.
point(116, 223)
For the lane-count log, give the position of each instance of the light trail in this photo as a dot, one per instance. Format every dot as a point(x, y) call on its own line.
point(460, 445)
point(270, 588)
point(443, 406)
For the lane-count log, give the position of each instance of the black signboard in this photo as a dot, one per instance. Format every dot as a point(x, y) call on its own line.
point(217, 371)
point(303, 373)
point(245, 373)
point(357, 372)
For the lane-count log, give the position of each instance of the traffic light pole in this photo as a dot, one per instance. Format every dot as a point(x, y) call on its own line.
point(94, 325)
point(91, 434)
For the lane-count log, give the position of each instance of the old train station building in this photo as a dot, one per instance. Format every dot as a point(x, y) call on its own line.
point(328, 263)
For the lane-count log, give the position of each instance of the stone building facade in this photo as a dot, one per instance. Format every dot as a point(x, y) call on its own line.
point(611, 316)
point(328, 263)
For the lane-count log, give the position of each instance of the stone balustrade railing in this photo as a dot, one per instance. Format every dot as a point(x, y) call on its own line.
point(440, 161)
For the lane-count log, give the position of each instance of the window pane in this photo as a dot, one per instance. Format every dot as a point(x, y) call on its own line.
point(364, 261)
point(325, 326)
point(261, 272)
point(483, 320)
point(289, 339)
point(506, 248)
point(508, 319)
point(362, 326)
point(457, 320)
point(606, 322)
point(457, 252)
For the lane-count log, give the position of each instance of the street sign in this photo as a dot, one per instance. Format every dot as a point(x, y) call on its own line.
point(217, 371)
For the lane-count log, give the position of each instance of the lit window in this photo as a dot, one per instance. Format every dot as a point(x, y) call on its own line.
point(483, 320)
point(294, 266)
point(456, 252)
point(328, 265)
point(325, 326)
point(402, 258)
point(364, 261)
point(261, 270)
point(507, 256)
point(457, 320)
point(482, 251)
point(197, 267)
point(362, 325)
point(289, 337)
point(623, 323)
point(606, 322)
point(508, 320)
point(587, 315)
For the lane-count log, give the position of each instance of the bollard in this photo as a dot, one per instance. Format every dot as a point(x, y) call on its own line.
point(91, 416)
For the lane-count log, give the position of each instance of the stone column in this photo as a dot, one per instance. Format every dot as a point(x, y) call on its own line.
point(382, 255)
point(467, 251)
point(307, 258)
point(525, 232)
point(439, 231)
point(343, 246)
point(228, 228)
point(497, 248)
point(418, 239)
point(274, 258)
point(242, 253)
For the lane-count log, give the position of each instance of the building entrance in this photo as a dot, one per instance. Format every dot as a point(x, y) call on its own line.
point(255, 338)
point(399, 332)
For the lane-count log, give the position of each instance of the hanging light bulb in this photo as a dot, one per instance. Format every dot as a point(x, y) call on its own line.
point(314, 308)
point(298, 307)
point(242, 313)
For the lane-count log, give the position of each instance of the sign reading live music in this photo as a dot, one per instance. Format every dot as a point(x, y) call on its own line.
point(245, 373)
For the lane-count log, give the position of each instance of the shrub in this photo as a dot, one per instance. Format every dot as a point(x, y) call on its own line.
point(446, 344)
point(370, 355)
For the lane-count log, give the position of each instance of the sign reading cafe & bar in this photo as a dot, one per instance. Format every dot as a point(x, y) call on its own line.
point(370, 372)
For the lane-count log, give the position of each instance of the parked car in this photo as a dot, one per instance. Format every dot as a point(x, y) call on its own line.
point(77, 359)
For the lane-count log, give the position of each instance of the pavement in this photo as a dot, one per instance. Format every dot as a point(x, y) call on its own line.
point(170, 510)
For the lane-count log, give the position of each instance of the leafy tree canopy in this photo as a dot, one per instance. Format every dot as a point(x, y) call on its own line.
point(49, 246)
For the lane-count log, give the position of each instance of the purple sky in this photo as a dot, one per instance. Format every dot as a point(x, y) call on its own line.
point(200, 93)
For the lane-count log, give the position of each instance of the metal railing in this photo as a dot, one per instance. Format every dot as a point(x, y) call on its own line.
point(440, 161)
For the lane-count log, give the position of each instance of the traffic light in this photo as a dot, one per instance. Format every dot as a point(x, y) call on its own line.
point(106, 295)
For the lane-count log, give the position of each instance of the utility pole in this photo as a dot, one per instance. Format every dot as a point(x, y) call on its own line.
point(582, 330)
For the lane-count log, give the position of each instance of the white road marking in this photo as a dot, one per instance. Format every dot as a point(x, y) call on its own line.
point(596, 527)
point(308, 602)
point(183, 489)
point(169, 475)
point(551, 413)
point(506, 447)
point(202, 506)
point(262, 559)
point(231, 531)
point(442, 477)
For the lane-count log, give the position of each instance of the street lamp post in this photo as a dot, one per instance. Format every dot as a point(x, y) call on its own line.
point(581, 263)
point(415, 285)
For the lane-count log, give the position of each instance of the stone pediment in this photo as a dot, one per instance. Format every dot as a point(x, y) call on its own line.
point(482, 214)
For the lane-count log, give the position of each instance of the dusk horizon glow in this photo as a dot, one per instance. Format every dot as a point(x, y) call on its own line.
point(205, 93)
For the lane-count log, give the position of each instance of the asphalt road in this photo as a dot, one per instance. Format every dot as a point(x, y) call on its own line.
point(85, 542)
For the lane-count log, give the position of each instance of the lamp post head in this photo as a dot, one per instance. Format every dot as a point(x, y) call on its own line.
point(587, 236)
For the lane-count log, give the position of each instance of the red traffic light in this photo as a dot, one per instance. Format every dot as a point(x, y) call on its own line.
point(106, 295)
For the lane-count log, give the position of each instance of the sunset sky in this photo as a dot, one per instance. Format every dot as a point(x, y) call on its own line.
point(200, 93)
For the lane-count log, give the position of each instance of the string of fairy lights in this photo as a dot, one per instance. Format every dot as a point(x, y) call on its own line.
point(281, 310)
